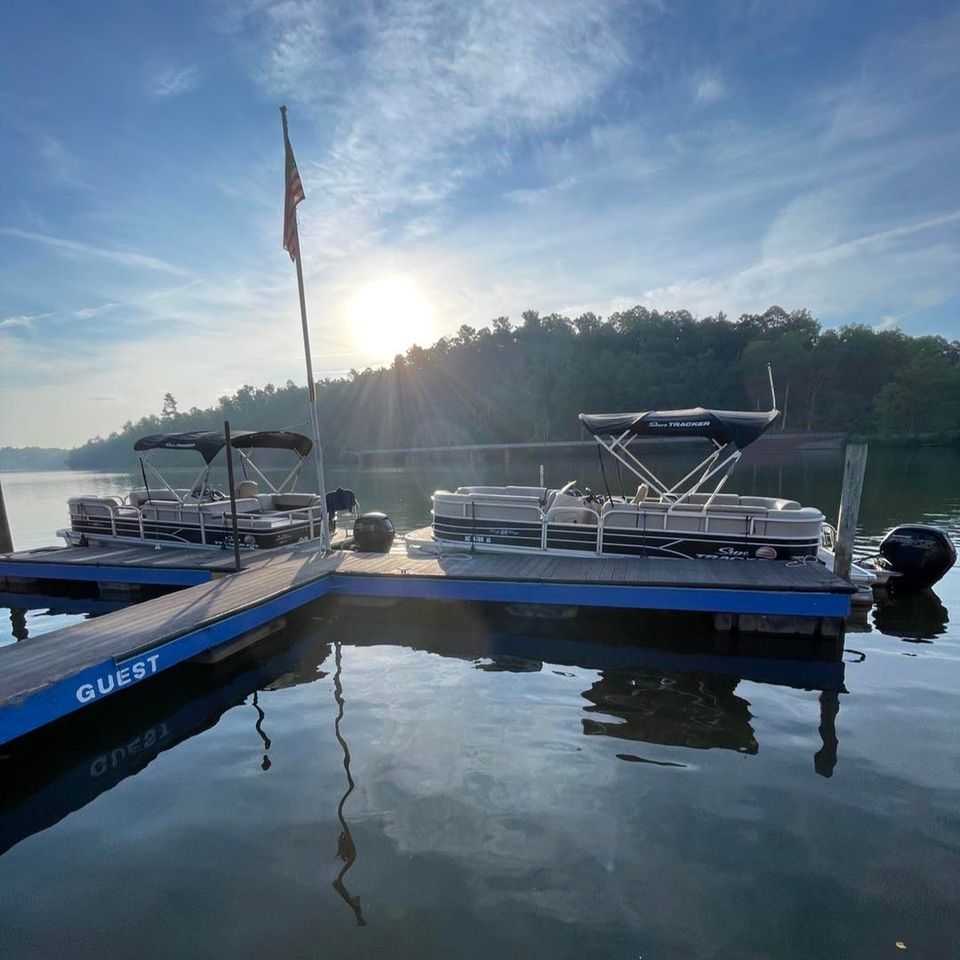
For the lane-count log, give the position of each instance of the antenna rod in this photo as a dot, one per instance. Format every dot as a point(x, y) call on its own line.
point(773, 393)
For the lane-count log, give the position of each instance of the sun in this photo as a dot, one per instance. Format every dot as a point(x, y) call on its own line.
point(388, 315)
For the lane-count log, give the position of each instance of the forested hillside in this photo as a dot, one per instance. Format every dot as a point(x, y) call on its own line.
point(32, 458)
point(528, 382)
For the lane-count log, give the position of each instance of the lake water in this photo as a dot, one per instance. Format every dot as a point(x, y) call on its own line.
point(456, 781)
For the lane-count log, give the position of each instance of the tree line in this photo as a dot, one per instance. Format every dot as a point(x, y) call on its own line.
point(528, 381)
point(32, 458)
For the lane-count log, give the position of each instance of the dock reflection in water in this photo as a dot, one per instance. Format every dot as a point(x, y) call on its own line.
point(462, 759)
point(674, 697)
point(64, 767)
point(675, 691)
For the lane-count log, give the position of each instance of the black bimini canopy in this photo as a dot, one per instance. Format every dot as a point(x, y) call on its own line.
point(739, 427)
point(208, 443)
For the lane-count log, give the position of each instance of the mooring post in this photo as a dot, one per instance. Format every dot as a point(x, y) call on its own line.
point(6, 539)
point(233, 495)
point(854, 468)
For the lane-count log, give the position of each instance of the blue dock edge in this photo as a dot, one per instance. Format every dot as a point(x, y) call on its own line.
point(69, 694)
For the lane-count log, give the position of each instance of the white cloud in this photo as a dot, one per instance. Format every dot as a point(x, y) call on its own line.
point(125, 257)
point(20, 321)
point(899, 71)
point(836, 278)
point(709, 89)
point(436, 94)
point(171, 81)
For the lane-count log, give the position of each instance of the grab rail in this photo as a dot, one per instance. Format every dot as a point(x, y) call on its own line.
point(81, 511)
point(601, 518)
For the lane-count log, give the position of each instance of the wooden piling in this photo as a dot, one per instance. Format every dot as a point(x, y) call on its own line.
point(854, 468)
point(6, 538)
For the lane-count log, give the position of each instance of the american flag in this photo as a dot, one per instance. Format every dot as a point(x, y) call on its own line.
point(293, 194)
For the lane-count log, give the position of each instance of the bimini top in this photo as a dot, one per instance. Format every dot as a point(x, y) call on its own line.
point(208, 443)
point(739, 427)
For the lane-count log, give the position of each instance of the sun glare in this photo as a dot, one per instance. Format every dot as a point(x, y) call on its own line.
point(389, 315)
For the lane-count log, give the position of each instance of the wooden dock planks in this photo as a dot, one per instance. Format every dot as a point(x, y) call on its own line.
point(43, 678)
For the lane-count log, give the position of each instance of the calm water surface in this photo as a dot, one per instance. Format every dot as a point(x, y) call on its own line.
point(456, 781)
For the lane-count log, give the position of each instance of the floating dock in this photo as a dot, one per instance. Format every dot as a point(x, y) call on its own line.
point(132, 565)
point(48, 677)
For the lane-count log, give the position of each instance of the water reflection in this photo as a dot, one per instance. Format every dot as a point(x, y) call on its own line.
point(36, 614)
point(258, 726)
point(916, 618)
point(60, 769)
point(825, 759)
point(670, 689)
point(699, 711)
point(18, 623)
point(669, 695)
point(346, 848)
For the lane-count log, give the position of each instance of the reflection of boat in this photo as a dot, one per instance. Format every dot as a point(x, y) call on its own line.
point(698, 710)
point(200, 515)
point(690, 518)
point(916, 617)
point(671, 694)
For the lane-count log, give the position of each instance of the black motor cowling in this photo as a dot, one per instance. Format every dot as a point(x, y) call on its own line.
point(920, 554)
point(373, 533)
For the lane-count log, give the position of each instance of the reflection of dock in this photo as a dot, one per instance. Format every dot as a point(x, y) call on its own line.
point(673, 696)
point(64, 769)
point(51, 676)
point(671, 690)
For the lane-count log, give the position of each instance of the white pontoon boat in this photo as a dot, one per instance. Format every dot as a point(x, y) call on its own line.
point(200, 515)
point(690, 518)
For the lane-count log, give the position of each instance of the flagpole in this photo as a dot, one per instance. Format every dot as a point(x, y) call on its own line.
point(311, 385)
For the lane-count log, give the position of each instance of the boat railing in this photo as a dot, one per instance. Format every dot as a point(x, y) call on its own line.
point(545, 523)
point(245, 520)
point(602, 519)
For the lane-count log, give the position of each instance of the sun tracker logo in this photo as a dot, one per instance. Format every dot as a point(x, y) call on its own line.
point(679, 423)
point(766, 553)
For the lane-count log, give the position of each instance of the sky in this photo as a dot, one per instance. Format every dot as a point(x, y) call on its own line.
point(461, 161)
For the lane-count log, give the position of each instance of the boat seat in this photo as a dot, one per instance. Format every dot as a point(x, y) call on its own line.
point(564, 508)
point(514, 507)
point(770, 503)
point(172, 512)
point(141, 495)
point(247, 488)
point(246, 505)
point(539, 493)
point(641, 493)
point(794, 522)
point(730, 499)
point(295, 501)
point(94, 506)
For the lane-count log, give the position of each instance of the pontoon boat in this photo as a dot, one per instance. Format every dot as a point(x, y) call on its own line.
point(689, 518)
point(201, 515)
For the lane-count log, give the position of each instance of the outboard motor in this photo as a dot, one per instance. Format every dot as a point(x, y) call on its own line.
point(373, 533)
point(920, 554)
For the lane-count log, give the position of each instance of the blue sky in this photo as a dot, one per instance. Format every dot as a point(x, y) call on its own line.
point(461, 161)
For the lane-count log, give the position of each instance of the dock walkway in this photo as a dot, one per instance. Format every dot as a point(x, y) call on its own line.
point(44, 678)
